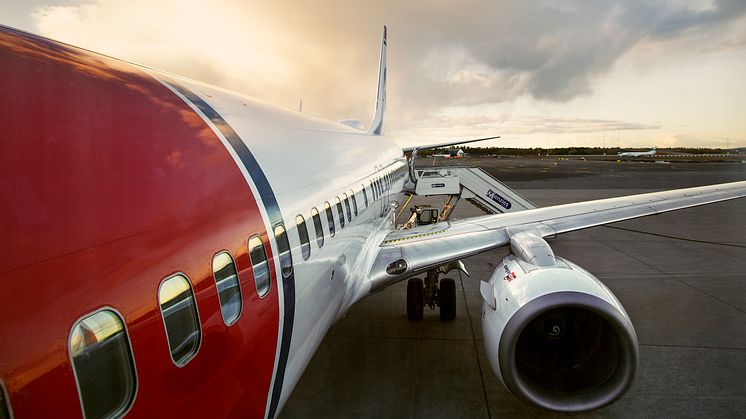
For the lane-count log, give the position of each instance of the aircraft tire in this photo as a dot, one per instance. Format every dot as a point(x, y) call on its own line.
point(415, 299)
point(447, 297)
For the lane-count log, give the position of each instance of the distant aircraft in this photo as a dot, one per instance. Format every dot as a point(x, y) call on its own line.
point(650, 152)
point(452, 153)
point(170, 248)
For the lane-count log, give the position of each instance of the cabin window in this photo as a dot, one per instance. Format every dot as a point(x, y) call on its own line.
point(354, 202)
point(283, 248)
point(317, 227)
point(226, 282)
point(259, 265)
point(329, 218)
point(347, 207)
point(103, 364)
point(305, 246)
point(365, 196)
point(179, 311)
point(338, 204)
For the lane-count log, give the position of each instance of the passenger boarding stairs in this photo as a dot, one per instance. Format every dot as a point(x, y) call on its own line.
point(473, 184)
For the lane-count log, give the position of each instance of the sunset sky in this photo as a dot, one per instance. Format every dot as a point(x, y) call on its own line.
point(539, 73)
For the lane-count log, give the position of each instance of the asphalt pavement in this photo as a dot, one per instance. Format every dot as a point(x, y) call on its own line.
point(681, 276)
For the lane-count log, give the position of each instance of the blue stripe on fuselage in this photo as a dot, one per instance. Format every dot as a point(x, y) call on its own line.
point(275, 217)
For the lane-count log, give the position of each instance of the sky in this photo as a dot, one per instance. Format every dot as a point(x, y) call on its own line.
point(634, 74)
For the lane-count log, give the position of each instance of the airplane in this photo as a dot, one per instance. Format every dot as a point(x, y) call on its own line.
point(650, 152)
point(173, 248)
point(455, 153)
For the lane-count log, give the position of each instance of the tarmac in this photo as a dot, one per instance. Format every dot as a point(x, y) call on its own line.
point(680, 275)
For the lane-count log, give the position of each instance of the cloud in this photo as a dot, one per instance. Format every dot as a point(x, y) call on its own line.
point(555, 51)
point(443, 54)
point(461, 123)
point(707, 17)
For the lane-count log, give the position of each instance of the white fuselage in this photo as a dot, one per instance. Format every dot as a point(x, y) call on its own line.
point(637, 153)
point(309, 162)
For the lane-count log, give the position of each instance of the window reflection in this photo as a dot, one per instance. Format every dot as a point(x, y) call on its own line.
point(317, 227)
point(347, 206)
point(259, 265)
point(283, 248)
point(338, 204)
point(179, 311)
point(329, 218)
point(103, 365)
point(354, 202)
point(305, 246)
point(226, 282)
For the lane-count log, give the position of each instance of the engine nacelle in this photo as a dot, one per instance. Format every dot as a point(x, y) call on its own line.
point(556, 336)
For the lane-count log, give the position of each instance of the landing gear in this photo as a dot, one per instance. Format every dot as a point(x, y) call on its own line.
point(431, 293)
point(415, 299)
point(447, 297)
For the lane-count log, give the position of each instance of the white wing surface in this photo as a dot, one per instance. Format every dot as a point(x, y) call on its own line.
point(426, 247)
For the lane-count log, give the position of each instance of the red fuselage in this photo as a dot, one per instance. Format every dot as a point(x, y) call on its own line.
point(131, 187)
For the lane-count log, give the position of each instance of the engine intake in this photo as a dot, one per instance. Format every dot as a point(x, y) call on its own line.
point(556, 336)
point(568, 351)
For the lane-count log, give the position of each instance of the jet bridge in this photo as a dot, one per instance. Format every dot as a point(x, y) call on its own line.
point(473, 184)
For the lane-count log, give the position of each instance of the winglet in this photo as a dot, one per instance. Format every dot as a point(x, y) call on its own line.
point(376, 125)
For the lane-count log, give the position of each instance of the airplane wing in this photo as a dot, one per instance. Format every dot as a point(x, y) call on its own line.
point(405, 253)
point(448, 144)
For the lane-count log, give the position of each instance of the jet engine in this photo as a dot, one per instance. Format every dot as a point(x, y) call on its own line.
point(554, 334)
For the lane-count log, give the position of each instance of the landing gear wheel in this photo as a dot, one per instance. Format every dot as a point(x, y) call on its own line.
point(447, 297)
point(415, 299)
